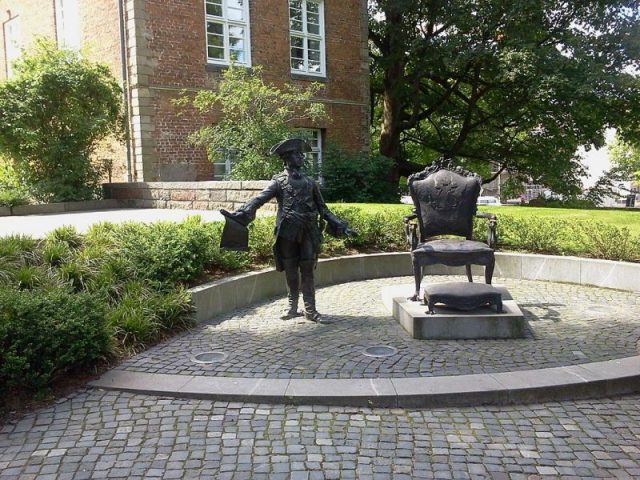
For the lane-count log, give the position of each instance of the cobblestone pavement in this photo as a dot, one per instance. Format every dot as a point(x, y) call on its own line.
point(568, 324)
point(96, 434)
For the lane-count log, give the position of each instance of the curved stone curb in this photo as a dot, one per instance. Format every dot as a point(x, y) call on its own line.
point(588, 380)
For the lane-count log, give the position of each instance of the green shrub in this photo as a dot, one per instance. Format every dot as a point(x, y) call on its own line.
point(533, 233)
point(356, 178)
point(53, 114)
point(12, 192)
point(599, 240)
point(44, 333)
point(13, 197)
point(66, 234)
point(141, 314)
point(55, 253)
point(163, 252)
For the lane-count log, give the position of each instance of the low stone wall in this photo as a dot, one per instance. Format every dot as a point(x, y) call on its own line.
point(186, 195)
point(62, 207)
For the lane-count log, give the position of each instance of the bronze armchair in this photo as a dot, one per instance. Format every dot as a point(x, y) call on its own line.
point(445, 199)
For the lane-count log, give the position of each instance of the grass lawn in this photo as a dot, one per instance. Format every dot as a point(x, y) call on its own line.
point(620, 218)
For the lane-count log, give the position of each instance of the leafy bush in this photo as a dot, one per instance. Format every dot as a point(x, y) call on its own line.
point(162, 252)
point(255, 117)
point(606, 241)
point(356, 178)
point(53, 114)
point(44, 334)
point(12, 193)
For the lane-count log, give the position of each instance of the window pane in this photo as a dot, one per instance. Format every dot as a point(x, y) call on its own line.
point(314, 56)
point(297, 64)
point(297, 42)
point(314, 66)
point(215, 28)
point(237, 56)
point(235, 14)
point(314, 45)
point(214, 9)
point(296, 25)
point(313, 28)
point(312, 7)
point(235, 4)
point(297, 4)
point(215, 41)
point(235, 31)
point(236, 43)
point(216, 52)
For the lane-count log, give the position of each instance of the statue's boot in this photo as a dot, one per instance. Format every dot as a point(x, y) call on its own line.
point(293, 289)
point(309, 292)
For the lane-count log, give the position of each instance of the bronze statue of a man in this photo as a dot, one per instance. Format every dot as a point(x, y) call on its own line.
point(301, 217)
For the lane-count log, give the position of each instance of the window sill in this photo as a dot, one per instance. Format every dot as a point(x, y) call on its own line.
point(218, 67)
point(311, 78)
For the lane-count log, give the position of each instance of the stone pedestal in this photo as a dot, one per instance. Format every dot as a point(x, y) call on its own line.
point(450, 324)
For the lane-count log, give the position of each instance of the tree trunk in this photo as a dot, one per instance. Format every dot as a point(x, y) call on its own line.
point(392, 101)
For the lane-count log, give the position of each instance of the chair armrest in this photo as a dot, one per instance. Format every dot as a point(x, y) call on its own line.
point(411, 230)
point(492, 235)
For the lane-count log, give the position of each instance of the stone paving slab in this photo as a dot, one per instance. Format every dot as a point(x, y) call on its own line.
point(98, 434)
point(567, 325)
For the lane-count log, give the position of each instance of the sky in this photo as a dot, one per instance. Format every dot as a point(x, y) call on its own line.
point(597, 160)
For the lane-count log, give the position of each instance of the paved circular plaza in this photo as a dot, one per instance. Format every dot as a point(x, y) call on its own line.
point(97, 434)
point(567, 325)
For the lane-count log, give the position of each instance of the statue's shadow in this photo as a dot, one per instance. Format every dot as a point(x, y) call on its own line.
point(541, 311)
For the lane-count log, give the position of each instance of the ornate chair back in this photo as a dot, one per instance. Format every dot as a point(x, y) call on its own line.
point(445, 200)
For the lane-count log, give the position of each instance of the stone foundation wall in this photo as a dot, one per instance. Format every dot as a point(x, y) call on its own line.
point(187, 195)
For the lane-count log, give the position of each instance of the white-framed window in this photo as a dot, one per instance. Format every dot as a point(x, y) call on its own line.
point(306, 37)
point(313, 136)
point(12, 43)
point(68, 31)
point(222, 167)
point(227, 29)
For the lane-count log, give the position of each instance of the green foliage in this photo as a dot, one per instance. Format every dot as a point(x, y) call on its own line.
point(625, 157)
point(357, 178)
point(506, 83)
point(532, 234)
point(607, 241)
point(162, 252)
point(53, 114)
point(142, 314)
point(12, 193)
point(254, 117)
point(44, 334)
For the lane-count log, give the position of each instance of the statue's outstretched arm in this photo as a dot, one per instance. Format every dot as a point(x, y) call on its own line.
point(247, 212)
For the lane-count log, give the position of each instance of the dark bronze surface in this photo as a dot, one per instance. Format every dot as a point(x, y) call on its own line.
point(444, 197)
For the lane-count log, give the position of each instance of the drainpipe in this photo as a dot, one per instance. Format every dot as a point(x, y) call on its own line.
point(125, 84)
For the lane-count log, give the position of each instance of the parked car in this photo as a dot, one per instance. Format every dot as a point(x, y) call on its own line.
point(492, 201)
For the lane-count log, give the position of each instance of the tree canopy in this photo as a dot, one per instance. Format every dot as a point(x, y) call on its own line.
point(513, 85)
point(625, 157)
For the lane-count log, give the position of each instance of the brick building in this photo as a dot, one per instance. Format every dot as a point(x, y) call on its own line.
point(158, 48)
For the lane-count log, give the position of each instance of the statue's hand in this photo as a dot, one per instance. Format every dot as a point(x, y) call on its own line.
point(241, 217)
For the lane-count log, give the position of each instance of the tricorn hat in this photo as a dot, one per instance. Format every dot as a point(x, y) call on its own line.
point(290, 145)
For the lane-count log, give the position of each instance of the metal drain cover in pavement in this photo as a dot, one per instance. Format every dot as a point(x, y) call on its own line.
point(209, 357)
point(380, 351)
